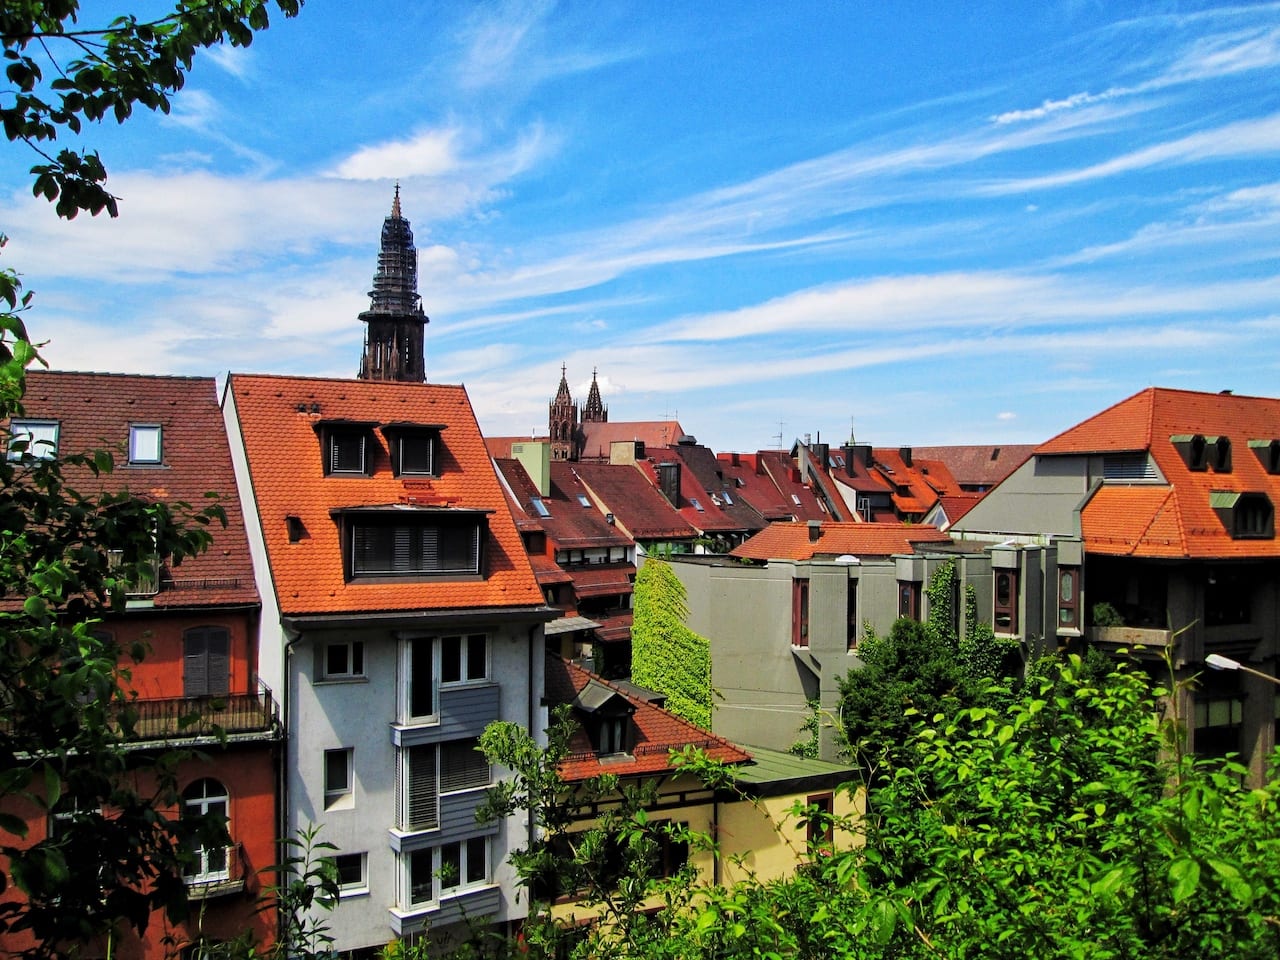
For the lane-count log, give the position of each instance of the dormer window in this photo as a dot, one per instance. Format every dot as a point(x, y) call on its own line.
point(1268, 454)
point(1220, 454)
point(399, 541)
point(1200, 452)
point(346, 446)
point(1246, 516)
point(606, 715)
point(415, 448)
point(33, 439)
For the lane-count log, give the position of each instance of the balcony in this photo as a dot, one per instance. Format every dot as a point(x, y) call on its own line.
point(182, 717)
point(220, 871)
point(1149, 637)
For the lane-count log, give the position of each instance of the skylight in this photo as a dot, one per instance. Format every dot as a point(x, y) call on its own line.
point(539, 507)
point(582, 499)
point(696, 505)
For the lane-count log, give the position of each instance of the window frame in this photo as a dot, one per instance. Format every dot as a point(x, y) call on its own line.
point(909, 593)
point(355, 670)
point(800, 623)
point(418, 438)
point(467, 850)
point(136, 432)
point(339, 796)
point(474, 666)
point(203, 805)
point(1004, 613)
point(35, 447)
point(215, 667)
point(1071, 605)
point(385, 545)
point(351, 888)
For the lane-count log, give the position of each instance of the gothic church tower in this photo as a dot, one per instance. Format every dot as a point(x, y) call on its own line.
point(395, 339)
point(595, 411)
point(563, 423)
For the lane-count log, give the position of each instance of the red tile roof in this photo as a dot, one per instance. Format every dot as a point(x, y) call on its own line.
point(597, 437)
point(748, 481)
point(1174, 519)
point(790, 541)
point(94, 410)
point(277, 415)
point(782, 470)
point(656, 732)
point(602, 580)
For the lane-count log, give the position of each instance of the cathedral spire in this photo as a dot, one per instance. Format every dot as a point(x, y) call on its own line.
point(394, 343)
point(562, 422)
point(595, 411)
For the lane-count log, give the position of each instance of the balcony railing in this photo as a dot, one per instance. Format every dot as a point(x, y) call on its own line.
point(1131, 636)
point(181, 717)
point(218, 872)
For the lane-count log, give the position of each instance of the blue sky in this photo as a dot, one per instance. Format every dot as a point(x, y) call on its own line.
point(935, 222)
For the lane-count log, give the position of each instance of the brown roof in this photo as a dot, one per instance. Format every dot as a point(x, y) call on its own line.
point(978, 465)
point(597, 437)
point(95, 410)
point(638, 508)
point(1178, 518)
point(656, 732)
point(277, 417)
point(791, 541)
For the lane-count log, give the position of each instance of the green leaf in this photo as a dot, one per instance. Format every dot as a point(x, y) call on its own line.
point(1185, 874)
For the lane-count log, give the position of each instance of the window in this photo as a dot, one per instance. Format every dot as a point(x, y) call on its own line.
point(1228, 597)
point(909, 599)
point(609, 734)
point(446, 870)
point(696, 505)
point(66, 812)
point(33, 439)
point(206, 662)
point(413, 449)
point(339, 787)
point(207, 798)
point(464, 659)
point(1128, 467)
point(1244, 515)
point(851, 618)
point(144, 443)
point(539, 507)
point(582, 499)
point(463, 766)
point(430, 662)
point(345, 446)
point(1218, 719)
point(430, 544)
point(800, 613)
point(819, 829)
point(351, 873)
point(1068, 598)
point(342, 661)
point(1005, 605)
point(429, 770)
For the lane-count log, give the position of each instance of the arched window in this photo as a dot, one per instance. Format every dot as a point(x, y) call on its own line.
point(206, 662)
point(211, 862)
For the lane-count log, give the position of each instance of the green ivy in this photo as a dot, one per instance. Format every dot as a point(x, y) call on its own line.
point(666, 655)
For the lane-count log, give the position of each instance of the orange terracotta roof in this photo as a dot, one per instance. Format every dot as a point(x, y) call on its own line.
point(790, 541)
point(277, 417)
point(656, 732)
point(94, 410)
point(1175, 519)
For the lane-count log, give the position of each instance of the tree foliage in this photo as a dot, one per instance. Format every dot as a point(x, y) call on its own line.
point(1066, 824)
point(62, 74)
point(665, 654)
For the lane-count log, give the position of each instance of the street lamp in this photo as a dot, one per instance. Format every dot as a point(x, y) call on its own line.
point(1218, 662)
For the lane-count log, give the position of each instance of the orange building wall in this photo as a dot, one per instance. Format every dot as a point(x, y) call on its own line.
point(159, 675)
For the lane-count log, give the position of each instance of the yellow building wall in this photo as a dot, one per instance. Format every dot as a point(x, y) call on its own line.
point(762, 839)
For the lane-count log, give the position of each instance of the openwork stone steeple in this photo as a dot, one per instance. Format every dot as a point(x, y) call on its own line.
point(563, 422)
point(395, 339)
point(595, 410)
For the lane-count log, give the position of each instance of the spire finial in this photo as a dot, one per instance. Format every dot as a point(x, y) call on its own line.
point(395, 204)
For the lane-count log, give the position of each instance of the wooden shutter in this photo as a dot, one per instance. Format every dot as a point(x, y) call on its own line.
point(195, 663)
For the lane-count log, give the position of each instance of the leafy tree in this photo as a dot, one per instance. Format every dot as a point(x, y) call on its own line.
point(111, 69)
point(665, 654)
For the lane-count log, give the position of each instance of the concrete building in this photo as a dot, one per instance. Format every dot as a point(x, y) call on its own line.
point(401, 615)
point(1160, 513)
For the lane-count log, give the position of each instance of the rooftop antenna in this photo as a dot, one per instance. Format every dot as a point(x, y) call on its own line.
point(778, 435)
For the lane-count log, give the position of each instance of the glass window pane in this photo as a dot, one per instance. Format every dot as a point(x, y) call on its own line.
point(450, 659)
point(476, 659)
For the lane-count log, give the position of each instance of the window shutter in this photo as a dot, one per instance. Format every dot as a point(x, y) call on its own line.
point(462, 766)
point(218, 642)
point(422, 793)
point(195, 664)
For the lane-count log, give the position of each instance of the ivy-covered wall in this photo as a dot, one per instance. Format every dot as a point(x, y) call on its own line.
point(666, 655)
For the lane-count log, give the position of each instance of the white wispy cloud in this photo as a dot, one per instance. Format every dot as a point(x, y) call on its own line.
point(430, 153)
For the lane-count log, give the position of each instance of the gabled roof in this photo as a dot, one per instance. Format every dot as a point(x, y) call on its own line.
point(706, 516)
point(792, 541)
point(978, 465)
point(638, 508)
point(656, 733)
point(277, 418)
point(703, 472)
point(597, 437)
point(94, 410)
point(748, 481)
point(1176, 519)
point(785, 474)
point(917, 485)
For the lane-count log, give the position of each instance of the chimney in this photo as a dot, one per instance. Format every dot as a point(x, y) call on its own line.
point(849, 451)
point(535, 457)
point(905, 454)
point(815, 531)
point(669, 482)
